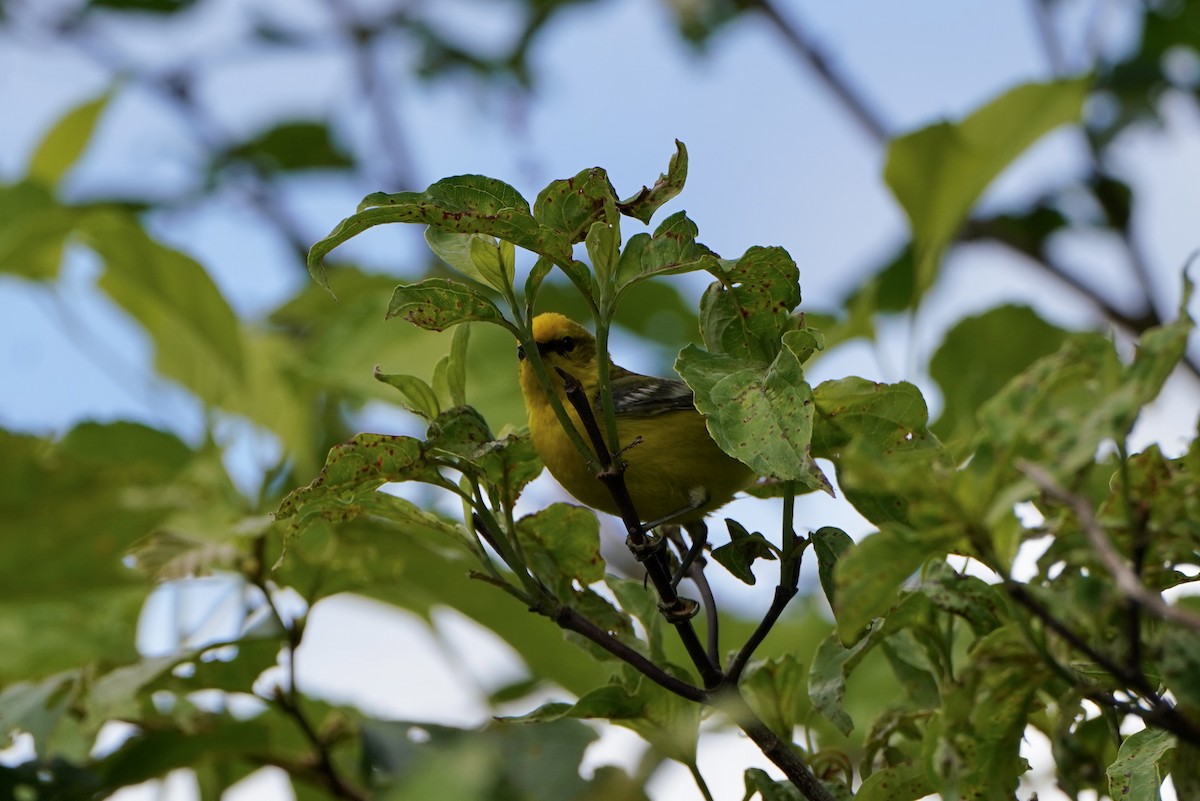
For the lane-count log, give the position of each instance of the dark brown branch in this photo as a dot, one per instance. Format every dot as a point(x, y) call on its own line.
point(783, 596)
point(867, 117)
point(789, 582)
point(1161, 713)
point(287, 698)
point(657, 566)
point(784, 755)
point(571, 620)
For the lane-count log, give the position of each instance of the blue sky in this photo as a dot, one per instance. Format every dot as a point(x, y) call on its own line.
point(774, 160)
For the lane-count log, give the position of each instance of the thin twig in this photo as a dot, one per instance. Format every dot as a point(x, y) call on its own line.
point(789, 582)
point(657, 567)
point(1127, 580)
point(851, 98)
point(1051, 46)
point(1161, 713)
point(288, 698)
point(569, 619)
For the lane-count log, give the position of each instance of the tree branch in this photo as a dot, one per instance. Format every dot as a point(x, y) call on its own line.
point(851, 98)
point(657, 567)
point(1127, 580)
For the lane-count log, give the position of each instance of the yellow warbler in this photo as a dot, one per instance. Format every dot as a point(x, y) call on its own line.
point(676, 473)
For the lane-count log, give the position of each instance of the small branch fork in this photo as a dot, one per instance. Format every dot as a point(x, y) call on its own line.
point(320, 768)
point(720, 689)
point(1160, 712)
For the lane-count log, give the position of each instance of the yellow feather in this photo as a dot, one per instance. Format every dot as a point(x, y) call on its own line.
point(675, 465)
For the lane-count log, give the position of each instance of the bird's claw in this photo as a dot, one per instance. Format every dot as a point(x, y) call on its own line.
point(679, 610)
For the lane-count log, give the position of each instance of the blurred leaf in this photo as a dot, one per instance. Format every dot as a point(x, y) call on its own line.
point(969, 597)
point(494, 261)
point(646, 201)
point(829, 545)
point(562, 544)
point(291, 146)
point(532, 762)
point(739, 554)
point(878, 437)
point(33, 231)
point(1138, 773)
point(869, 574)
point(572, 205)
point(197, 336)
point(979, 355)
point(68, 598)
point(827, 677)
point(938, 173)
point(66, 142)
point(436, 304)
point(419, 397)
point(463, 204)
point(899, 783)
point(774, 690)
point(760, 414)
point(759, 782)
point(973, 746)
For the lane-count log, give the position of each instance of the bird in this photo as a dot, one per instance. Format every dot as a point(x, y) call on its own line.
point(675, 472)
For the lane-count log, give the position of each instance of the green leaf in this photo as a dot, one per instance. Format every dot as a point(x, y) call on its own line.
point(572, 205)
point(827, 678)
point(436, 304)
point(899, 783)
point(362, 465)
point(455, 250)
point(938, 172)
point(463, 204)
point(292, 146)
point(830, 544)
point(197, 336)
point(62, 147)
point(562, 544)
point(672, 250)
point(878, 436)
point(648, 200)
point(489, 259)
point(869, 574)
point(603, 243)
point(666, 721)
point(969, 597)
point(1138, 772)
point(419, 397)
point(457, 368)
point(68, 598)
point(743, 548)
point(979, 355)
point(759, 782)
point(746, 311)
point(33, 230)
point(773, 688)
point(973, 744)
point(759, 414)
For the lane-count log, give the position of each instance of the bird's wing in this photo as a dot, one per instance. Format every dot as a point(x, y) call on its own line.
point(637, 395)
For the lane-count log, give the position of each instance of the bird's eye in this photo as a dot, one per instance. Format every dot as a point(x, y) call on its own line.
point(520, 353)
point(568, 344)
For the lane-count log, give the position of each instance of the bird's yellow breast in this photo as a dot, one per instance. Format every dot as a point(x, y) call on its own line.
point(675, 463)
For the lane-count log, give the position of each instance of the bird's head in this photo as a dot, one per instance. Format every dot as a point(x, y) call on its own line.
point(561, 342)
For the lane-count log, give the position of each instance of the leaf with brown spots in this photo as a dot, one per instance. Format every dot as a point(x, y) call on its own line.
point(649, 199)
point(465, 204)
point(436, 304)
